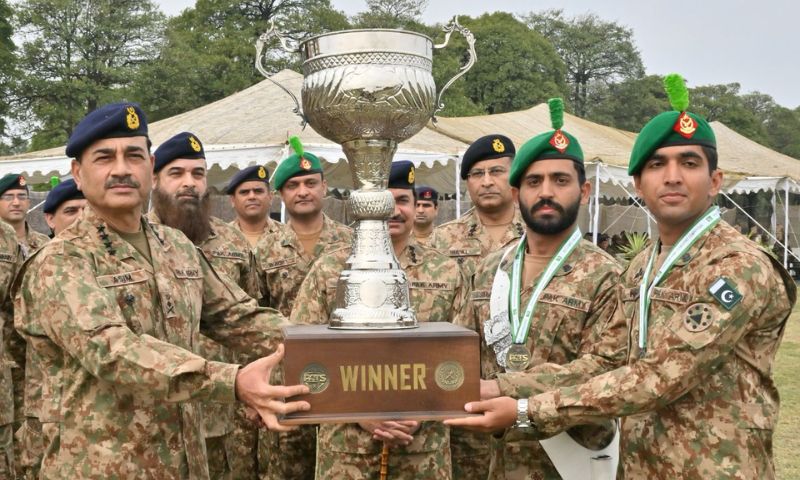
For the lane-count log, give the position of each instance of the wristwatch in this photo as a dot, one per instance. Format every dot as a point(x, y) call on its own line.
point(522, 414)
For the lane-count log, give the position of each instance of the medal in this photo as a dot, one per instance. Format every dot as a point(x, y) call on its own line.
point(517, 358)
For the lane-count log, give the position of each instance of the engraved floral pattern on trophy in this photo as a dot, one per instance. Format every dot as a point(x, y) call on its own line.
point(369, 90)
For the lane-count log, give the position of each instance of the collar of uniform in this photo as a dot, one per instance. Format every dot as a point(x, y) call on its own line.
point(568, 267)
point(327, 235)
point(694, 250)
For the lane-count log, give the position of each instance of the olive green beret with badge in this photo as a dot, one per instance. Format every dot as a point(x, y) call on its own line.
point(676, 127)
point(555, 144)
point(298, 164)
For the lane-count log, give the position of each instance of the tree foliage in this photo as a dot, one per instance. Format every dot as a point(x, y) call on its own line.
point(7, 61)
point(77, 55)
point(593, 51)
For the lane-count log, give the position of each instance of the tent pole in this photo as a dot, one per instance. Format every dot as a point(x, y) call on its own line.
point(458, 186)
point(283, 212)
point(773, 219)
point(785, 224)
point(596, 219)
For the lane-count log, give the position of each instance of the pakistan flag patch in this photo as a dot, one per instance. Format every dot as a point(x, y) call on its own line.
point(725, 293)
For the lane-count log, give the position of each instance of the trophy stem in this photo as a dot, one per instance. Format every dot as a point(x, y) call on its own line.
point(372, 292)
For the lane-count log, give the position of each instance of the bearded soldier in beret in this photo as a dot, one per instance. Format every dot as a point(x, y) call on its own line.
point(181, 200)
point(415, 450)
point(284, 259)
point(126, 301)
point(696, 396)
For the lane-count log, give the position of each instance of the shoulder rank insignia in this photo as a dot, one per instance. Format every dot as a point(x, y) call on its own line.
point(725, 293)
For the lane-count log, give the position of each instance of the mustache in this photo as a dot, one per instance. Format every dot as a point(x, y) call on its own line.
point(397, 218)
point(126, 181)
point(191, 191)
point(547, 203)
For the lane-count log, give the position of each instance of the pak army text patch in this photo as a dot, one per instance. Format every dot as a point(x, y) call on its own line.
point(725, 293)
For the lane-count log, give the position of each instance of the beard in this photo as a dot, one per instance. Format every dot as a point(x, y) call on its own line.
point(192, 215)
point(554, 224)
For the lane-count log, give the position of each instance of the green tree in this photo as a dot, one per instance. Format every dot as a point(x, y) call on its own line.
point(723, 103)
point(7, 61)
point(391, 14)
point(630, 103)
point(209, 50)
point(783, 131)
point(592, 49)
point(516, 69)
point(78, 55)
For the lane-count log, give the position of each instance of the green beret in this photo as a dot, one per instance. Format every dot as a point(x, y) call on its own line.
point(13, 181)
point(677, 127)
point(298, 164)
point(555, 144)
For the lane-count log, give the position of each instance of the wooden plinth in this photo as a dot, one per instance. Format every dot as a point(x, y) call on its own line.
point(425, 373)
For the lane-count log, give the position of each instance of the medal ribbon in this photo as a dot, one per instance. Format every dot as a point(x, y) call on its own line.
point(700, 227)
point(519, 329)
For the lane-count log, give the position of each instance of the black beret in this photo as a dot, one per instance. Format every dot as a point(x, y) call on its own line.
point(66, 190)
point(486, 148)
point(115, 120)
point(182, 145)
point(13, 181)
point(254, 173)
point(402, 175)
point(427, 193)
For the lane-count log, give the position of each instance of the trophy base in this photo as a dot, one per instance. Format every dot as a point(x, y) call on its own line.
point(426, 373)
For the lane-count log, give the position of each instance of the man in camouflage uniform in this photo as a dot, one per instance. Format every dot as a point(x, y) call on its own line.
point(436, 286)
point(251, 199)
point(426, 211)
point(696, 394)
point(489, 226)
point(126, 301)
point(284, 259)
point(181, 201)
point(64, 203)
point(570, 320)
point(494, 221)
point(15, 202)
point(9, 257)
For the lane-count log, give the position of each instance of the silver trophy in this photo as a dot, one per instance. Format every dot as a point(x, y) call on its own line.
point(369, 90)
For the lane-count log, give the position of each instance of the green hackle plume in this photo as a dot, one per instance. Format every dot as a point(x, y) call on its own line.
point(297, 145)
point(556, 112)
point(54, 180)
point(677, 92)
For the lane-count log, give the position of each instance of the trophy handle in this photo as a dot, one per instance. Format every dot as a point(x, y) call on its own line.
point(260, 44)
point(470, 38)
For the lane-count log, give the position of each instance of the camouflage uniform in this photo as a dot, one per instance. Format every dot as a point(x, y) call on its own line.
point(33, 241)
point(271, 228)
point(700, 402)
point(229, 253)
point(115, 338)
point(9, 256)
point(571, 323)
point(467, 240)
point(282, 266)
point(346, 451)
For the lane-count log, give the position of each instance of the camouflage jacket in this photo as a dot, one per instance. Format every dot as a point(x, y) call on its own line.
point(9, 258)
point(700, 401)
point(572, 324)
point(436, 285)
point(466, 239)
point(229, 253)
point(33, 240)
point(283, 264)
point(271, 228)
point(115, 337)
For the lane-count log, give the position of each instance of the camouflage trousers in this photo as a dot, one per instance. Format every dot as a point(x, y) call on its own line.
point(290, 455)
point(333, 465)
point(234, 456)
point(471, 454)
point(28, 448)
point(7, 451)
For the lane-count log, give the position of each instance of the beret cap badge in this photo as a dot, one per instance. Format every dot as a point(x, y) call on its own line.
point(411, 175)
point(559, 141)
point(262, 173)
point(194, 144)
point(498, 145)
point(132, 119)
point(685, 125)
point(22, 182)
point(305, 164)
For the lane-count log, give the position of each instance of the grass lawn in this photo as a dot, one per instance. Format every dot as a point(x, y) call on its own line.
point(787, 377)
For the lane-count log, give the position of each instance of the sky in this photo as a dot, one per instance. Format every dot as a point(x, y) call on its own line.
point(707, 41)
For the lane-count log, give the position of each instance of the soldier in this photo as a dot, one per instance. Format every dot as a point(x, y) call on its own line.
point(545, 300)
point(125, 303)
point(697, 395)
point(436, 286)
point(63, 205)
point(251, 199)
point(181, 200)
point(15, 201)
point(9, 256)
point(284, 259)
point(494, 222)
point(427, 209)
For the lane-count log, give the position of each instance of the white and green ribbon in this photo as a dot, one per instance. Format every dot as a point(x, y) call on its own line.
point(700, 227)
point(519, 328)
